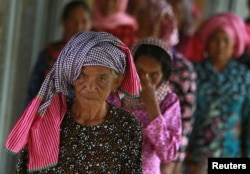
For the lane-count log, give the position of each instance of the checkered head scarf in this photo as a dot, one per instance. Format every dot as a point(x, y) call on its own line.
point(151, 41)
point(163, 89)
point(89, 49)
point(44, 114)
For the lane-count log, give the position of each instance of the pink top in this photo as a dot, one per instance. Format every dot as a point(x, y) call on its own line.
point(162, 136)
point(103, 22)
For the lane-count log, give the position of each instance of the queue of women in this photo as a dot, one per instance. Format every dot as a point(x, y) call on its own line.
point(123, 98)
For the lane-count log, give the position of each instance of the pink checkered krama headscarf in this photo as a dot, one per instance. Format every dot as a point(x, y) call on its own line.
point(38, 128)
point(228, 22)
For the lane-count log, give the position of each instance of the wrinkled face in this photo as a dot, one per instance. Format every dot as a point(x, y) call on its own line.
point(146, 65)
point(220, 46)
point(78, 20)
point(94, 84)
point(109, 7)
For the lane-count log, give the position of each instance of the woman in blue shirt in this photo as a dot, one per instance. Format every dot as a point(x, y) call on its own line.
point(223, 93)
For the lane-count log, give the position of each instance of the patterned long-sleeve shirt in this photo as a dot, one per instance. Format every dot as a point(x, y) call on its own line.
point(221, 127)
point(162, 136)
point(182, 82)
point(114, 146)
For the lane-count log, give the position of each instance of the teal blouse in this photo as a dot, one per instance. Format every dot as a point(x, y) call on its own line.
point(221, 127)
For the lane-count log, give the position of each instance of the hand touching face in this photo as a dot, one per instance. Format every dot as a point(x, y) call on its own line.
point(150, 73)
point(149, 70)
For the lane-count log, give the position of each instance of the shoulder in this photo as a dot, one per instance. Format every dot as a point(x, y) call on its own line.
point(238, 66)
point(201, 65)
point(57, 45)
point(182, 63)
point(183, 69)
point(127, 125)
point(171, 104)
point(172, 96)
point(123, 116)
point(240, 70)
point(170, 99)
point(244, 66)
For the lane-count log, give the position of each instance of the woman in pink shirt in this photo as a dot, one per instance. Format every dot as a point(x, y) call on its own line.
point(158, 107)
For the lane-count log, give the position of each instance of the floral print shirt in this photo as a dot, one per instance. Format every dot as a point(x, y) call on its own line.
point(161, 136)
point(182, 82)
point(221, 124)
point(112, 147)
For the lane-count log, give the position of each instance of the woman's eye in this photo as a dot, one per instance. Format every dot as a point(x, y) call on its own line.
point(103, 79)
point(82, 75)
point(154, 75)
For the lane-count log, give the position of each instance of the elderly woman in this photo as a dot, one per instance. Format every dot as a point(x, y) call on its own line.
point(158, 108)
point(84, 134)
point(221, 125)
point(156, 18)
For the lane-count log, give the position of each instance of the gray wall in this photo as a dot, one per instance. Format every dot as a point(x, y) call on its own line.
point(26, 27)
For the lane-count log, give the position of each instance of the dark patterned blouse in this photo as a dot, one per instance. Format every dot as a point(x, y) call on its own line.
point(111, 147)
point(183, 83)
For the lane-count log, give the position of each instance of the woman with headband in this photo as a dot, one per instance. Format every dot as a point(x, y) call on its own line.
point(83, 134)
point(157, 20)
point(158, 108)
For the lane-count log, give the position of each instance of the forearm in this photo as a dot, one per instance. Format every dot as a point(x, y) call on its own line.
point(153, 110)
point(164, 138)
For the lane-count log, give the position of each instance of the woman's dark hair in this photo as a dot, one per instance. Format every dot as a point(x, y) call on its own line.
point(68, 8)
point(158, 54)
